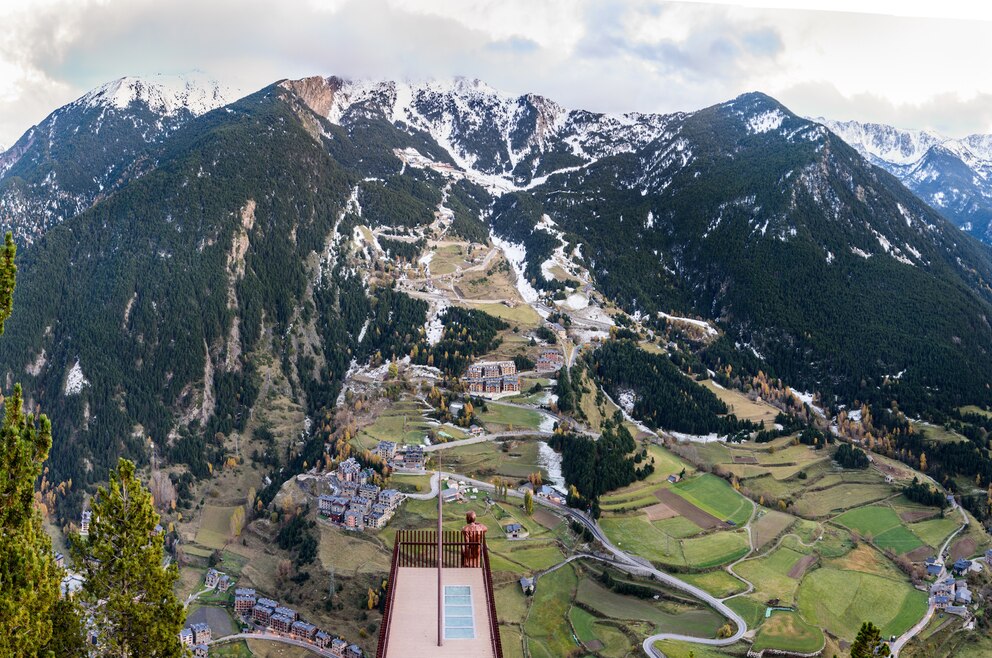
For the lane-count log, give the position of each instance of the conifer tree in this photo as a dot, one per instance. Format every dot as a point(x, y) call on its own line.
point(869, 643)
point(29, 577)
point(135, 609)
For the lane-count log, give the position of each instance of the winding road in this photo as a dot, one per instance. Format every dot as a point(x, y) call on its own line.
point(622, 560)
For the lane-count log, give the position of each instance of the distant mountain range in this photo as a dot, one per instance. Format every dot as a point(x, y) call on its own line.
point(953, 175)
point(172, 235)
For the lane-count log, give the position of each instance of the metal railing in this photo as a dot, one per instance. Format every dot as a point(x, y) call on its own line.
point(419, 549)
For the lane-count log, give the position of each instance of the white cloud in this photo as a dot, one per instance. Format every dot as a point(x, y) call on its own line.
point(609, 55)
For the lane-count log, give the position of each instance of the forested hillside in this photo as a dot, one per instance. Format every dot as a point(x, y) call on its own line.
point(145, 316)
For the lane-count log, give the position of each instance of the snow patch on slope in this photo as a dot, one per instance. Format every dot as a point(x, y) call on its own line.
point(766, 121)
point(75, 380)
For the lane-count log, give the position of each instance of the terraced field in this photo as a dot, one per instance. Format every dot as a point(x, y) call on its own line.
point(715, 496)
point(840, 600)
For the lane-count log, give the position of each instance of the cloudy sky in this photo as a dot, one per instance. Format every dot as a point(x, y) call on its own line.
point(909, 63)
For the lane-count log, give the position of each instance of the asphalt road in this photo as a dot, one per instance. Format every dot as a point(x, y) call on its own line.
point(621, 558)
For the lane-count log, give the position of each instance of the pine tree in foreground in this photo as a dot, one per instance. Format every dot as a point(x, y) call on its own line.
point(33, 620)
point(869, 643)
point(129, 590)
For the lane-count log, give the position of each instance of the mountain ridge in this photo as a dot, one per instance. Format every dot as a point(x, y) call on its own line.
point(953, 175)
point(239, 240)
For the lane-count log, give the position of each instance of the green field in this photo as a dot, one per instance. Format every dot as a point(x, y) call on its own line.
point(215, 526)
point(677, 526)
point(636, 534)
point(715, 496)
point(786, 631)
point(719, 583)
point(933, 532)
point(701, 621)
point(751, 610)
point(841, 600)
point(641, 493)
point(872, 520)
point(676, 649)
point(402, 423)
point(485, 460)
point(844, 496)
point(547, 635)
point(770, 574)
point(522, 314)
point(715, 549)
point(500, 416)
point(887, 529)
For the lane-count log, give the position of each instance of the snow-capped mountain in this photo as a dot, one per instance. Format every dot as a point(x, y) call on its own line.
point(90, 147)
point(953, 175)
point(504, 142)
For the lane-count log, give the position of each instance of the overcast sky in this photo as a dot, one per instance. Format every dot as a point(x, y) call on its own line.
point(909, 63)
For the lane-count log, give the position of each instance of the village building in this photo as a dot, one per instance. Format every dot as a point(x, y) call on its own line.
point(391, 498)
point(492, 379)
point(962, 595)
point(361, 505)
point(224, 583)
point(201, 633)
point(413, 458)
point(349, 470)
point(324, 502)
point(933, 566)
point(244, 600)
point(552, 494)
point(321, 639)
point(201, 650)
point(961, 566)
point(303, 630)
point(375, 520)
point(550, 361)
point(354, 651)
point(348, 489)
point(338, 647)
point(262, 613)
point(476, 430)
point(84, 522)
point(60, 561)
point(281, 623)
point(210, 580)
point(369, 491)
point(515, 531)
point(527, 586)
point(353, 519)
point(386, 450)
point(186, 637)
point(287, 612)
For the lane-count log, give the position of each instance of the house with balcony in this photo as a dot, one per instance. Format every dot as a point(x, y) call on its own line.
point(201, 633)
point(303, 630)
point(244, 600)
point(492, 379)
point(369, 491)
point(281, 623)
point(386, 450)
